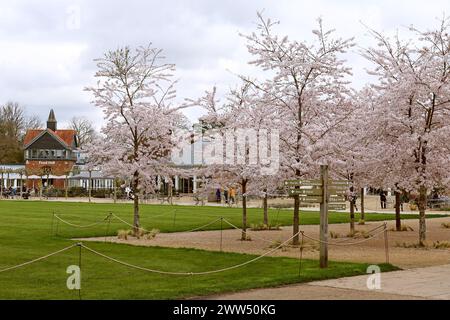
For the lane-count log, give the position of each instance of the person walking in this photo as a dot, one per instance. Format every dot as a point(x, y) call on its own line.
point(383, 200)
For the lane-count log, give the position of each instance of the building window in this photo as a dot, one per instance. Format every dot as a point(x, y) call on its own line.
point(48, 154)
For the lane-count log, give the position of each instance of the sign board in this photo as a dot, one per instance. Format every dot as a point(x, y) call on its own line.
point(339, 183)
point(309, 192)
point(311, 199)
point(337, 200)
point(294, 183)
point(336, 206)
point(338, 187)
point(337, 192)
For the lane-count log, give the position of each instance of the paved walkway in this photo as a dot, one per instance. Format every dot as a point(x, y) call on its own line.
point(422, 283)
point(429, 283)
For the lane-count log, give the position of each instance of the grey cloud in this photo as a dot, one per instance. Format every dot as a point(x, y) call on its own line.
point(44, 63)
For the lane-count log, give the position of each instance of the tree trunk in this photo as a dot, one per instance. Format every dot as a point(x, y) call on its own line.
point(136, 222)
point(352, 217)
point(398, 222)
point(363, 213)
point(169, 192)
point(115, 191)
point(244, 210)
point(266, 215)
point(422, 203)
point(296, 227)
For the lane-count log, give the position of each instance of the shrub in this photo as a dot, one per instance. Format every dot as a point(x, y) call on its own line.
point(403, 228)
point(361, 222)
point(275, 244)
point(335, 235)
point(141, 232)
point(358, 234)
point(410, 245)
point(151, 235)
point(123, 234)
point(417, 245)
point(262, 226)
point(441, 245)
point(77, 192)
point(446, 225)
point(101, 193)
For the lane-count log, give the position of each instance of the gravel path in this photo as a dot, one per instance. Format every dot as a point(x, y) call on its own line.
point(372, 251)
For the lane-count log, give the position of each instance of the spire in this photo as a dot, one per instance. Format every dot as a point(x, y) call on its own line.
point(51, 122)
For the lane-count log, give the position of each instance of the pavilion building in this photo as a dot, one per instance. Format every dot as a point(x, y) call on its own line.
point(50, 155)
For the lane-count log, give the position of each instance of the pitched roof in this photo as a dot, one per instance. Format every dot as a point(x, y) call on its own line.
point(68, 136)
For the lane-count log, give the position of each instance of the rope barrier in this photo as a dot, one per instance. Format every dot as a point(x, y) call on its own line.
point(128, 224)
point(192, 230)
point(162, 214)
point(246, 232)
point(82, 226)
point(204, 226)
point(39, 259)
point(349, 238)
point(188, 273)
point(345, 244)
point(335, 243)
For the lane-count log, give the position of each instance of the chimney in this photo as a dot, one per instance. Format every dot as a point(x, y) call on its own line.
point(51, 122)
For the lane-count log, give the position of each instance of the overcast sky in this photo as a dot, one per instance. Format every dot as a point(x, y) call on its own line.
point(47, 47)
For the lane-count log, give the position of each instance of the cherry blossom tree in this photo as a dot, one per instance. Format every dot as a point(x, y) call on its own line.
point(135, 90)
point(306, 84)
point(243, 124)
point(411, 122)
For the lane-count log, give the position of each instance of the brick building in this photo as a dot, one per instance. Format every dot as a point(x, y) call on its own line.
point(50, 155)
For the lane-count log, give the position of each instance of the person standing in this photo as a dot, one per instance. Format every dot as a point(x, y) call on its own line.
point(225, 195)
point(218, 195)
point(232, 195)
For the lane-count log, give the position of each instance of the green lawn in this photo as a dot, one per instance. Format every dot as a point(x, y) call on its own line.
point(25, 234)
point(163, 217)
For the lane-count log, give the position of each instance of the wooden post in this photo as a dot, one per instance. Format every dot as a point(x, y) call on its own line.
point(90, 185)
point(21, 184)
point(66, 185)
point(398, 222)
point(221, 233)
point(363, 210)
point(42, 186)
point(324, 217)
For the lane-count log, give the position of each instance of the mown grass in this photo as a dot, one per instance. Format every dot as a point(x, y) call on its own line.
point(162, 217)
point(26, 234)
